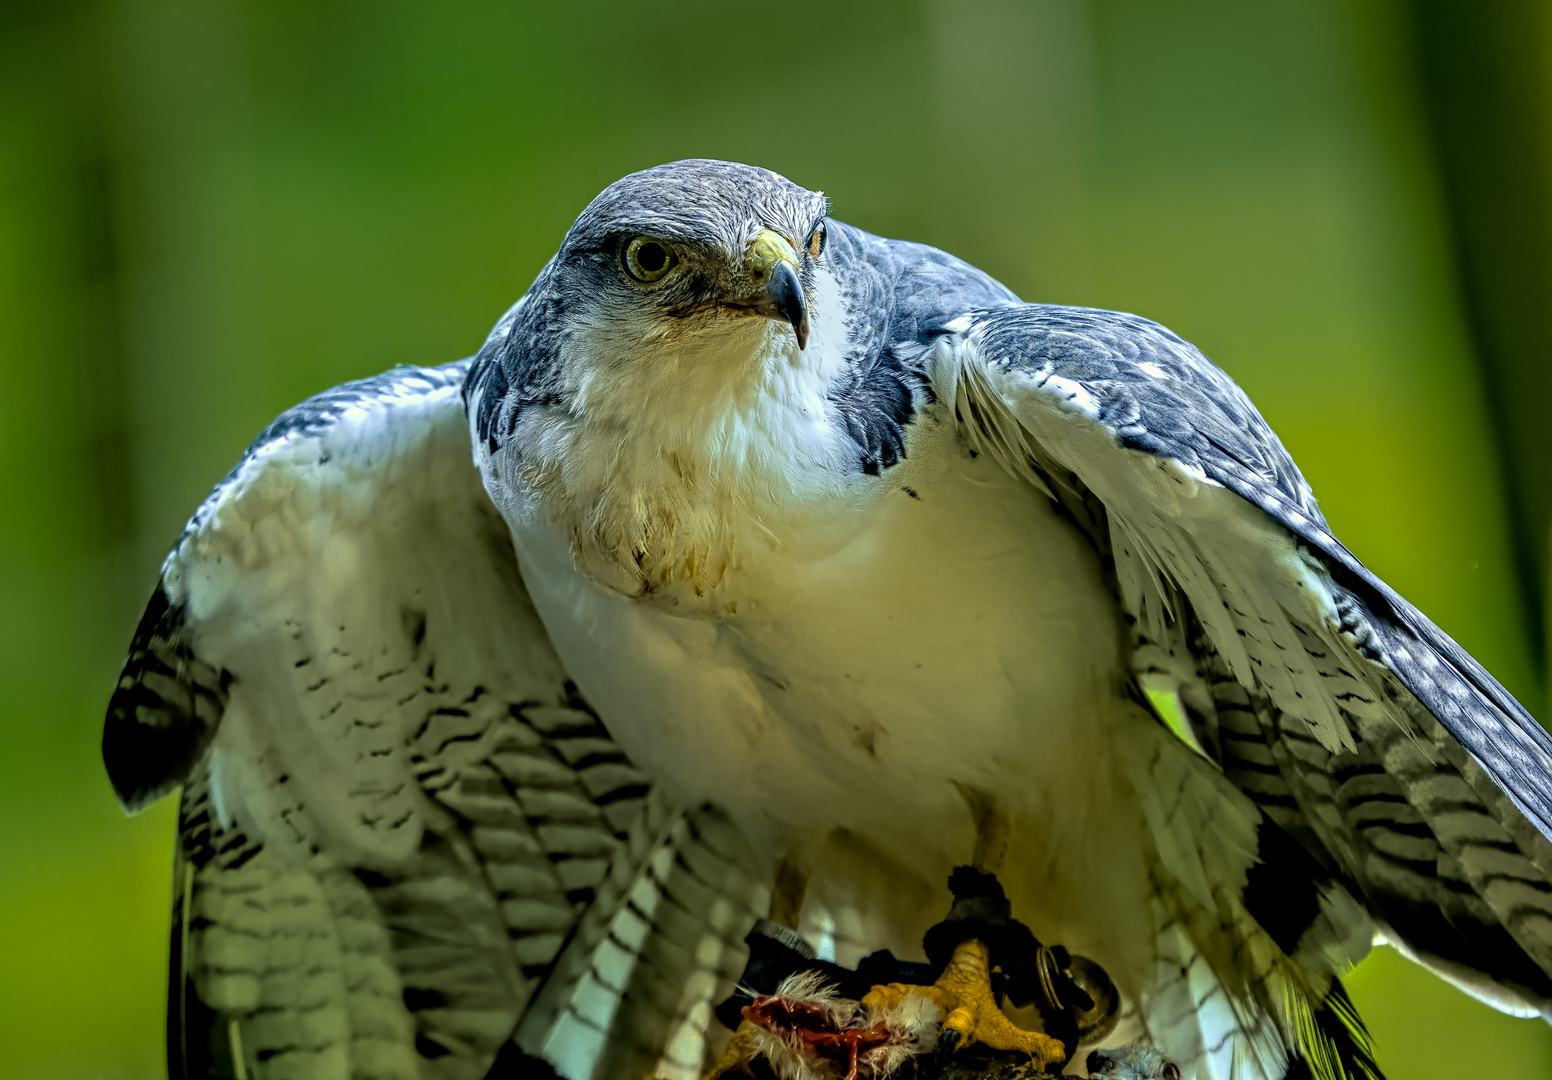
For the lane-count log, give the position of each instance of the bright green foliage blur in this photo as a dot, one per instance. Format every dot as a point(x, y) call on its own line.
point(210, 209)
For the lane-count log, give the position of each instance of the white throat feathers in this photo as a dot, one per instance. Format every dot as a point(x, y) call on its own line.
point(682, 448)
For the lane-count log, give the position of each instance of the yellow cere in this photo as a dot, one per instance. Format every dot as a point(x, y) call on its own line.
point(766, 250)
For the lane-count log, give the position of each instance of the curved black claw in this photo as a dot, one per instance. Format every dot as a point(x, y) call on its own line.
point(931, 1066)
point(942, 1051)
point(948, 1042)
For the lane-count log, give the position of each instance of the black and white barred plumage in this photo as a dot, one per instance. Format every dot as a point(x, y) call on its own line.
point(770, 604)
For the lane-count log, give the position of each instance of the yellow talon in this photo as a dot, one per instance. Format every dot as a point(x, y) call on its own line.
point(964, 993)
point(889, 996)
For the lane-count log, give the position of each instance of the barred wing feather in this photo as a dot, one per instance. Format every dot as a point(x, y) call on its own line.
point(396, 809)
point(1412, 781)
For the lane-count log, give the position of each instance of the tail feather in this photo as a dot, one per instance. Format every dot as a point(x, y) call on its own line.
point(1215, 1034)
point(633, 992)
point(1208, 1028)
point(1251, 935)
point(1334, 1043)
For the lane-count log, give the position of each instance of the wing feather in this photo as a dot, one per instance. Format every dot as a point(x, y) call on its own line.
point(396, 809)
point(1350, 720)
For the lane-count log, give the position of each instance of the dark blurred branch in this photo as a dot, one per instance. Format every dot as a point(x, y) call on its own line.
point(1486, 75)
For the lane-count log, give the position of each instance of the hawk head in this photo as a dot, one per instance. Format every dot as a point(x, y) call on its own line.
point(667, 374)
point(690, 255)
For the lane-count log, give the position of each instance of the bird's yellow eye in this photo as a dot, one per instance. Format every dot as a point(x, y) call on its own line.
point(816, 241)
point(647, 259)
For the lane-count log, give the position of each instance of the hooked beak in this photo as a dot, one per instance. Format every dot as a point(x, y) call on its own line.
point(773, 263)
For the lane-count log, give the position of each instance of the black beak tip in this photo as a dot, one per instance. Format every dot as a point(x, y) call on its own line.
point(786, 293)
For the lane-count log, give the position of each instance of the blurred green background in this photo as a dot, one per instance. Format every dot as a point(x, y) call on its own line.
point(211, 208)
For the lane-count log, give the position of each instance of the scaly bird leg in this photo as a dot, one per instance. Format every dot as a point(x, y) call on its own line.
point(971, 1014)
point(964, 990)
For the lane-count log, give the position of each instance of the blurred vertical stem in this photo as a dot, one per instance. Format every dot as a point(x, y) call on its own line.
point(1486, 75)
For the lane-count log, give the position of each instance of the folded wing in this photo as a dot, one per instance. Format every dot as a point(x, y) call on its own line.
point(396, 809)
point(1416, 783)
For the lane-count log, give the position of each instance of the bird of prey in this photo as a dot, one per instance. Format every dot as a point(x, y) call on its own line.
point(757, 566)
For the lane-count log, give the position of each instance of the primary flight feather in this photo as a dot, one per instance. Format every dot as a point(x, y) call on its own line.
point(788, 558)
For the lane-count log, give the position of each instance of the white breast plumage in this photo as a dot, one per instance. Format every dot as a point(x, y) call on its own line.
point(684, 455)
